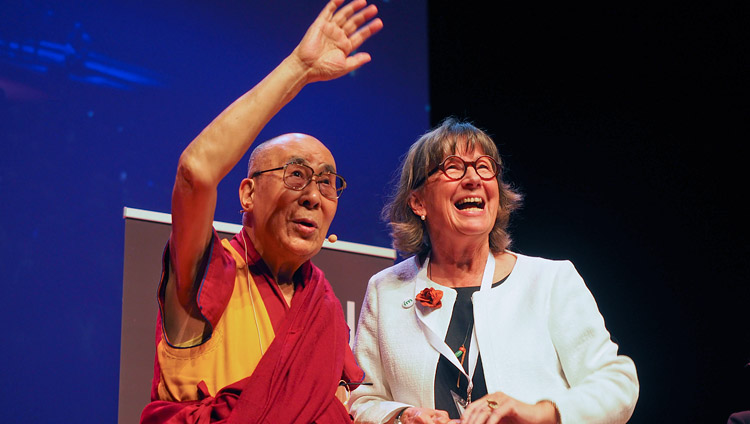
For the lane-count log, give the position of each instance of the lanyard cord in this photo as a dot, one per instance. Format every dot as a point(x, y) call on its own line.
point(437, 342)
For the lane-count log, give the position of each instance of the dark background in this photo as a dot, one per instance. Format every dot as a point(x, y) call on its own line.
point(624, 124)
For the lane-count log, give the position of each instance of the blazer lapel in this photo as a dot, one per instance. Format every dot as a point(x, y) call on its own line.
point(434, 322)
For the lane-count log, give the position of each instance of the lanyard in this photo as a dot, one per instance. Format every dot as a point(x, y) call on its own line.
point(436, 341)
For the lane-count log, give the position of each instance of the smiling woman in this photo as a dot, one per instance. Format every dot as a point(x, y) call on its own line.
point(436, 151)
point(521, 336)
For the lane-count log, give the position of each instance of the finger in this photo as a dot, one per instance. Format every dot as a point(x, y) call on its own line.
point(472, 409)
point(355, 61)
point(443, 419)
point(437, 418)
point(365, 32)
point(345, 12)
point(479, 416)
point(422, 418)
point(359, 18)
point(327, 13)
point(469, 414)
point(499, 413)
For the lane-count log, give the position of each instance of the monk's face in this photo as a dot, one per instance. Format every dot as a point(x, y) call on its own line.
point(287, 223)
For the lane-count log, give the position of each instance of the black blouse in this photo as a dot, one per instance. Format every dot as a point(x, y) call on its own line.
point(447, 377)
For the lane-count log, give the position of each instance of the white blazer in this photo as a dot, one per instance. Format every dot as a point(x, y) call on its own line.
point(540, 335)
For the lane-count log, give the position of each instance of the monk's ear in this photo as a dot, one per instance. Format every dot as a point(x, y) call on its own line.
point(247, 191)
point(416, 203)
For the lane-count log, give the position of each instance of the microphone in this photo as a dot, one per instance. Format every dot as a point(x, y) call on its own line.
point(332, 238)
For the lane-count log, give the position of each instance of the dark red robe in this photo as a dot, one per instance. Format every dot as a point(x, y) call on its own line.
point(295, 381)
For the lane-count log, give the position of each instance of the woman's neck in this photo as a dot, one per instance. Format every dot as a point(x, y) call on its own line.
point(454, 267)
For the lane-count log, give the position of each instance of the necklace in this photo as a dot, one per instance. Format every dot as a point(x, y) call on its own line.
point(461, 352)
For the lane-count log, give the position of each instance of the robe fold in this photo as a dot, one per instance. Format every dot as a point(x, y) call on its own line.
point(295, 380)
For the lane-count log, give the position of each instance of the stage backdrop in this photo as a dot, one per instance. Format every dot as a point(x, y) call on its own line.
point(97, 100)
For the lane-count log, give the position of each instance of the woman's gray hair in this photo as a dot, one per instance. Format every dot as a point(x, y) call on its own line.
point(408, 231)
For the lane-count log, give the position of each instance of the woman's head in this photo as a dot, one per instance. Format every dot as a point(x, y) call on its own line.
point(423, 186)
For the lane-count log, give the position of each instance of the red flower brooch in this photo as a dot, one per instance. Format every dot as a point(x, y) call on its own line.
point(430, 297)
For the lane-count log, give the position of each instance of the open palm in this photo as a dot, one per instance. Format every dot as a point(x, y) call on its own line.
point(326, 49)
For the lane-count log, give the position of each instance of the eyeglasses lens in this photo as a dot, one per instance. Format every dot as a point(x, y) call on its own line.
point(455, 167)
point(297, 176)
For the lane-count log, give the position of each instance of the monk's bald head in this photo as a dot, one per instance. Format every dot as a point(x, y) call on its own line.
point(271, 152)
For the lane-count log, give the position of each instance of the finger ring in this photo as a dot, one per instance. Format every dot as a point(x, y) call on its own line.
point(491, 404)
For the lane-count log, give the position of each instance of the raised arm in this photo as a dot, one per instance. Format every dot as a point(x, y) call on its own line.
point(323, 54)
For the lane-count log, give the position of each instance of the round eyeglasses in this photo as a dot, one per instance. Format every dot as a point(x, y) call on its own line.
point(297, 176)
point(455, 168)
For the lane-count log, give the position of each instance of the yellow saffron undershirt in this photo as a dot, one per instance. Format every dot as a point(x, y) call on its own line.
point(230, 354)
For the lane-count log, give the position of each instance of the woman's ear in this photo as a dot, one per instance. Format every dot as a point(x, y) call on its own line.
point(416, 204)
point(247, 189)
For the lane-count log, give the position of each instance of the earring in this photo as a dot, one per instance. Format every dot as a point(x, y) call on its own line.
point(423, 217)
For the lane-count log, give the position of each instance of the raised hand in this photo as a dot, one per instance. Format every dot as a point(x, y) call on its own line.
point(325, 51)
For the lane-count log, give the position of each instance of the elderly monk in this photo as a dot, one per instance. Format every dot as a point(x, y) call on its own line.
point(249, 329)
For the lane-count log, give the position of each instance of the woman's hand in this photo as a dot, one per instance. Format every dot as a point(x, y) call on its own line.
point(324, 52)
point(501, 408)
point(414, 415)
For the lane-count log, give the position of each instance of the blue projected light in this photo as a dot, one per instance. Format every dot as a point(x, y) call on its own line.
point(98, 100)
point(80, 64)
